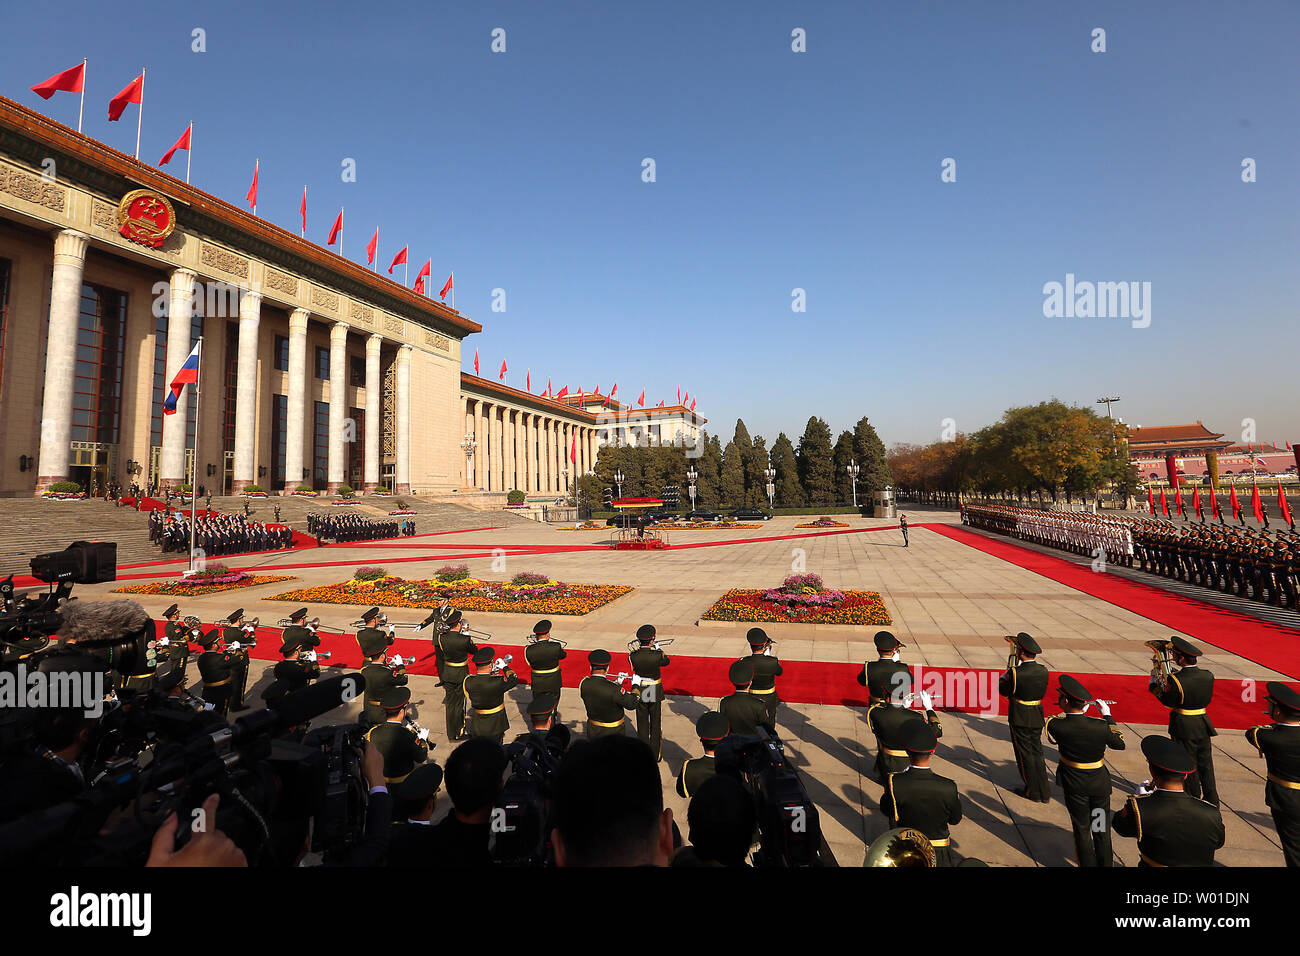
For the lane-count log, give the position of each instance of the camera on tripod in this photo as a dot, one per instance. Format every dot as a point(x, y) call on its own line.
point(521, 819)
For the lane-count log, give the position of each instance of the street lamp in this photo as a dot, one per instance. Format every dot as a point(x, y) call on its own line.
point(564, 475)
point(468, 446)
point(1107, 402)
point(770, 474)
point(619, 478)
point(853, 469)
point(691, 475)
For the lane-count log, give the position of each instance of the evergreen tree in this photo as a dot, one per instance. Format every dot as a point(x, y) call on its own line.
point(733, 477)
point(815, 463)
point(789, 493)
point(709, 466)
point(874, 465)
point(841, 458)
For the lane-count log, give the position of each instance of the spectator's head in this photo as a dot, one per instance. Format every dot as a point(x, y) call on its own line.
point(608, 806)
point(721, 821)
point(474, 776)
point(415, 797)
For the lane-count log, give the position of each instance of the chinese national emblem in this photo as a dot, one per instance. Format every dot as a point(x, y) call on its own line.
point(146, 217)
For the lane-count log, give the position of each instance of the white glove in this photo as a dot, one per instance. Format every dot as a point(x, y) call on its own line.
point(424, 734)
point(926, 701)
point(392, 628)
point(1144, 788)
point(1104, 708)
point(895, 658)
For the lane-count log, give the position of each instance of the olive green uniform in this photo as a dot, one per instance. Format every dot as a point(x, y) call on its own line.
point(401, 747)
point(920, 799)
point(1024, 686)
point(694, 773)
point(744, 712)
point(1279, 745)
point(1083, 776)
point(766, 670)
point(1172, 828)
point(1188, 695)
point(647, 663)
point(457, 648)
point(485, 695)
point(605, 704)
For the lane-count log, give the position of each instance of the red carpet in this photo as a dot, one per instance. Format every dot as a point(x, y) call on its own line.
point(810, 682)
point(1269, 645)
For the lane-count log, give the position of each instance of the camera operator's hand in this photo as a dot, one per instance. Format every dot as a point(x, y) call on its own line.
point(372, 765)
point(206, 848)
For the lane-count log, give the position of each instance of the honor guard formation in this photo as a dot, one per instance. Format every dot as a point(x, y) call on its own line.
point(353, 527)
point(217, 534)
point(1248, 562)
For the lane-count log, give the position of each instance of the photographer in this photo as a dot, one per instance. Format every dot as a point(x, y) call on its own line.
point(414, 801)
point(721, 823)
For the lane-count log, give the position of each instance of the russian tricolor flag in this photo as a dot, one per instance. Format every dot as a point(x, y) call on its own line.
point(188, 375)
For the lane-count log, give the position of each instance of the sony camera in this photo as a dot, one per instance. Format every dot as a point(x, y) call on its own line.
point(521, 819)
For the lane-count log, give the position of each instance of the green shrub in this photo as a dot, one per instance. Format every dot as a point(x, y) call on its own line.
point(65, 488)
point(183, 488)
point(345, 491)
point(528, 577)
point(304, 488)
point(250, 488)
point(452, 572)
point(369, 574)
point(516, 497)
point(401, 505)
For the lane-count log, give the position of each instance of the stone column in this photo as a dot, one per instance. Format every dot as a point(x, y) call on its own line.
point(171, 470)
point(498, 448)
point(559, 454)
point(508, 443)
point(481, 448)
point(335, 470)
point(402, 477)
point(523, 467)
point(374, 390)
point(61, 359)
point(250, 316)
point(296, 401)
point(548, 460)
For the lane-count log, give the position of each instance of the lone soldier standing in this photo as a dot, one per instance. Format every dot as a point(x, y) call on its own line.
point(743, 711)
point(879, 677)
point(712, 727)
point(456, 648)
point(902, 526)
point(401, 746)
point(646, 661)
point(1024, 684)
point(1279, 745)
point(605, 700)
point(485, 694)
point(1188, 694)
point(1172, 827)
point(543, 656)
point(1082, 771)
point(766, 670)
point(920, 799)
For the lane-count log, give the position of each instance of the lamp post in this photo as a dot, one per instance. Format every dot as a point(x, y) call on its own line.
point(691, 475)
point(468, 445)
point(770, 474)
point(619, 478)
point(853, 469)
point(564, 474)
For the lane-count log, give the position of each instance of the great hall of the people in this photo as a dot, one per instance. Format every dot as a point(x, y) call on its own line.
point(315, 370)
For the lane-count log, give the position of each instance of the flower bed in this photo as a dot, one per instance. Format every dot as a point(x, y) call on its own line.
point(61, 496)
point(396, 513)
point(345, 501)
point(204, 585)
point(306, 494)
point(801, 599)
point(707, 526)
point(585, 526)
point(824, 523)
point(534, 595)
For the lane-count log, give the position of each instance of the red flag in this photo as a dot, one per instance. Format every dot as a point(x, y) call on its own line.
point(641, 398)
point(1236, 505)
point(69, 81)
point(1178, 501)
point(302, 209)
point(476, 361)
point(335, 229)
point(1288, 446)
point(1196, 501)
point(1164, 503)
point(573, 452)
point(502, 375)
point(679, 394)
point(1256, 506)
point(692, 404)
point(528, 381)
point(372, 247)
point(1151, 498)
point(1214, 503)
point(687, 398)
point(448, 287)
point(398, 259)
point(661, 403)
point(252, 190)
point(182, 143)
point(548, 389)
point(133, 92)
point(1283, 508)
point(419, 279)
point(562, 392)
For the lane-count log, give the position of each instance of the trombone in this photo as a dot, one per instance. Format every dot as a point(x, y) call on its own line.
point(1162, 671)
point(311, 625)
point(634, 644)
point(534, 639)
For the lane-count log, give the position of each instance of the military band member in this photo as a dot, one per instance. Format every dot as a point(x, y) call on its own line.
point(485, 696)
point(889, 721)
point(457, 648)
point(879, 676)
point(744, 711)
point(1172, 827)
point(1279, 745)
point(236, 631)
point(1024, 685)
point(766, 670)
point(371, 634)
point(1188, 695)
point(541, 716)
point(712, 728)
point(647, 661)
point(223, 673)
point(605, 700)
point(543, 657)
point(298, 633)
point(1082, 772)
point(178, 638)
point(401, 746)
point(378, 674)
point(294, 672)
point(920, 799)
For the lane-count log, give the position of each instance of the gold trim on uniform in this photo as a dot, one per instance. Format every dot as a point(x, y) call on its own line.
point(1094, 765)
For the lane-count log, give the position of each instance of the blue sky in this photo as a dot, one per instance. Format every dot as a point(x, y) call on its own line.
point(775, 171)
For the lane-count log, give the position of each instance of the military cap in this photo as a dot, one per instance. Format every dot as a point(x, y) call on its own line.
point(483, 656)
point(235, 615)
point(757, 637)
point(395, 698)
point(210, 638)
point(373, 612)
point(171, 610)
point(420, 784)
point(1027, 644)
point(543, 704)
point(290, 644)
point(453, 618)
point(887, 642)
point(298, 614)
point(740, 673)
point(1163, 754)
point(917, 737)
point(1282, 695)
point(646, 633)
point(1072, 688)
point(542, 627)
point(599, 658)
point(712, 726)
point(372, 641)
point(168, 677)
point(1185, 646)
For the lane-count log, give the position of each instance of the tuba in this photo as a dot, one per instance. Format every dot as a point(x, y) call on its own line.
point(900, 847)
point(1161, 672)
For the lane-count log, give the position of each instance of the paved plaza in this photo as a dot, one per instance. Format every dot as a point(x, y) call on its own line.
point(951, 605)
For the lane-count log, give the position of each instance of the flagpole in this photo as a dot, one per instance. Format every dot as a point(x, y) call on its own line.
point(194, 462)
point(256, 163)
point(406, 269)
point(139, 114)
point(342, 209)
point(82, 109)
point(188, 153)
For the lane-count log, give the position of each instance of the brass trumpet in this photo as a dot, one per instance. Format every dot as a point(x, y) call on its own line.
point(1015, 650)
point(191, 622)
point(1162, 672)
point(633, 644)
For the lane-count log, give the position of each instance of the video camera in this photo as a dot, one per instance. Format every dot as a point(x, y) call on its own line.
point(789, 826)
point(521, 819)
